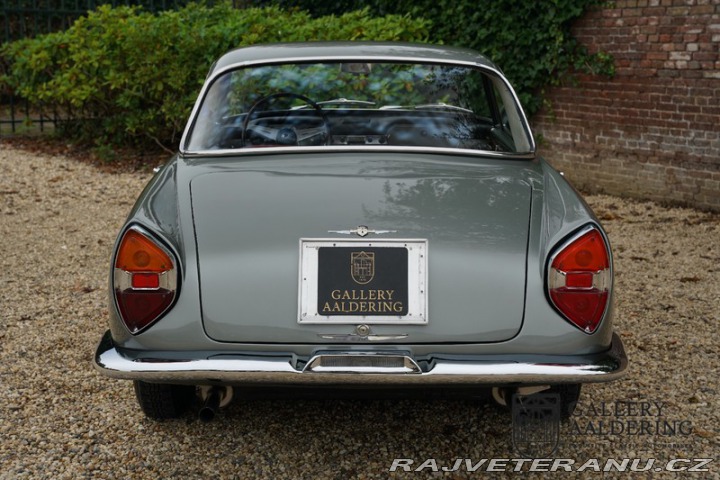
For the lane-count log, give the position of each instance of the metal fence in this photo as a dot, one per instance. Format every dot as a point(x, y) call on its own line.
point(29, 18)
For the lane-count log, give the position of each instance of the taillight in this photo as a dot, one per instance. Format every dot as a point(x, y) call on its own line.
point(579, 279)
point(144, 280)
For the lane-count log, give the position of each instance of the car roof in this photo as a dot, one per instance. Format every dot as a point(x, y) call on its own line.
point(282, 52)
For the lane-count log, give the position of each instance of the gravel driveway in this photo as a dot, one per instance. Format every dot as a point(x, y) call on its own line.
point(60, 419)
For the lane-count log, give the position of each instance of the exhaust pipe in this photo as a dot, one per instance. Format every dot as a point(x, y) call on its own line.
point(210, 406)
point(503, 395)
point(214, 398)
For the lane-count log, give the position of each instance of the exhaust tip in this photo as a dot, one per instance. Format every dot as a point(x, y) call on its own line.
point(214, 398)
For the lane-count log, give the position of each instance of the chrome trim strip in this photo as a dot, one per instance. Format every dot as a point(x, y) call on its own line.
point(362, 363)
point(280, 370)
point(354, 337)
point(122, 280)
point(358, 148)
point(362, 231)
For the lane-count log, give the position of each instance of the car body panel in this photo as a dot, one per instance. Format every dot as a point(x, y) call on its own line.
point(474, 215)
point(557, 211)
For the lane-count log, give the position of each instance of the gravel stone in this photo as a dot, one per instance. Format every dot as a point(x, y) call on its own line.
point(60, 419)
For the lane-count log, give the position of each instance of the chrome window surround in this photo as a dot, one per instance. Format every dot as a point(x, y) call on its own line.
point(529, 139)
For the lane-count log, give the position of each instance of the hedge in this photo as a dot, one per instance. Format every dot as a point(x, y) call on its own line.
point(531, 41)
point(122, 76)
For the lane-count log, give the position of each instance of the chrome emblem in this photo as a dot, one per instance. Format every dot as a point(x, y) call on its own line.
point(362, 330)
point(362, 267)
point(362, 231)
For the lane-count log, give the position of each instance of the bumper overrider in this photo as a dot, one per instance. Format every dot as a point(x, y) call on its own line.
point(392, 367)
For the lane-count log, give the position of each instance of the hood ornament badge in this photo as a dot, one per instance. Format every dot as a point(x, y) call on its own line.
point(362, 231)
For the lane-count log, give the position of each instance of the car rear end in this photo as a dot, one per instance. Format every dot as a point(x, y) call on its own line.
point(418, 245)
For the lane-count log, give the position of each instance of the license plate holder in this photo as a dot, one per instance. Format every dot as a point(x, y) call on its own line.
point(369, 282)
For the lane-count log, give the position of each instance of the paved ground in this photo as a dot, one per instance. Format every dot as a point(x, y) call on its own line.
point(59, 419)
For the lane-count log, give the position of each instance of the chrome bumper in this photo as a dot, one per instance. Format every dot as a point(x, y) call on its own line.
point(360, 368)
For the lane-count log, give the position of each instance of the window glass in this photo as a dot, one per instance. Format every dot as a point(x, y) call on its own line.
point(350, 103)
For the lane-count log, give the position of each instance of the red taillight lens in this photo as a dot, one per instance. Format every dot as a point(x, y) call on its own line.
point(145, 280)
point(579, 279)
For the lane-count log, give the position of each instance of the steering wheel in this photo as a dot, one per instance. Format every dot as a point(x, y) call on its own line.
point(287, 135)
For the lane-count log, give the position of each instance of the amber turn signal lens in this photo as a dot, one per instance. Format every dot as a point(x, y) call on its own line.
point(140, 254)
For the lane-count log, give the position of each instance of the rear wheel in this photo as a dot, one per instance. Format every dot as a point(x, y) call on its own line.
point(161, 401)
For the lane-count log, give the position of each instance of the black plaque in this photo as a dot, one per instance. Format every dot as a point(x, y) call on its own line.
point(362, 281)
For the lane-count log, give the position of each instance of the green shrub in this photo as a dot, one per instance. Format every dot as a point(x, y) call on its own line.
point(124, 76)
point(530, 40)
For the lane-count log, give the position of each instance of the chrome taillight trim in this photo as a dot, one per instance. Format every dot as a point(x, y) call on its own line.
point(602, 278)
point(122, 280)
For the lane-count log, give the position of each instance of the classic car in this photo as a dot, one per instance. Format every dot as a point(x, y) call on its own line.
point(361, 215)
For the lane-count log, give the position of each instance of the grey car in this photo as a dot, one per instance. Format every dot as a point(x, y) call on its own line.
point(365, 215)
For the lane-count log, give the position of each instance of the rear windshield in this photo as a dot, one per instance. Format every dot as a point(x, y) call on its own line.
point(359, 104)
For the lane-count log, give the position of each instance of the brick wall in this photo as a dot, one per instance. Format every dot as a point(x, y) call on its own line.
point(652, 131)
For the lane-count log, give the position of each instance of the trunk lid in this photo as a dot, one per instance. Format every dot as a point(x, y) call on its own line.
point(250, 214)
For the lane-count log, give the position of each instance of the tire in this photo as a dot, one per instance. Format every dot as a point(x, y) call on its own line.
point(161, 401)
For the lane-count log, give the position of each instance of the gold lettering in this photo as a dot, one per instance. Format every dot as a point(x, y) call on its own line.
point(362, 301)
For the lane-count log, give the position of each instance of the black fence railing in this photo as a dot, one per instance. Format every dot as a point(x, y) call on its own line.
point(29, 18)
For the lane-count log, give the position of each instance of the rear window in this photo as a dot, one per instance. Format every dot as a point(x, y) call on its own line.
point(360, 104)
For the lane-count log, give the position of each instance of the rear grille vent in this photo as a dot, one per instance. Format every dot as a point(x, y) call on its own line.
point(361, 363)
